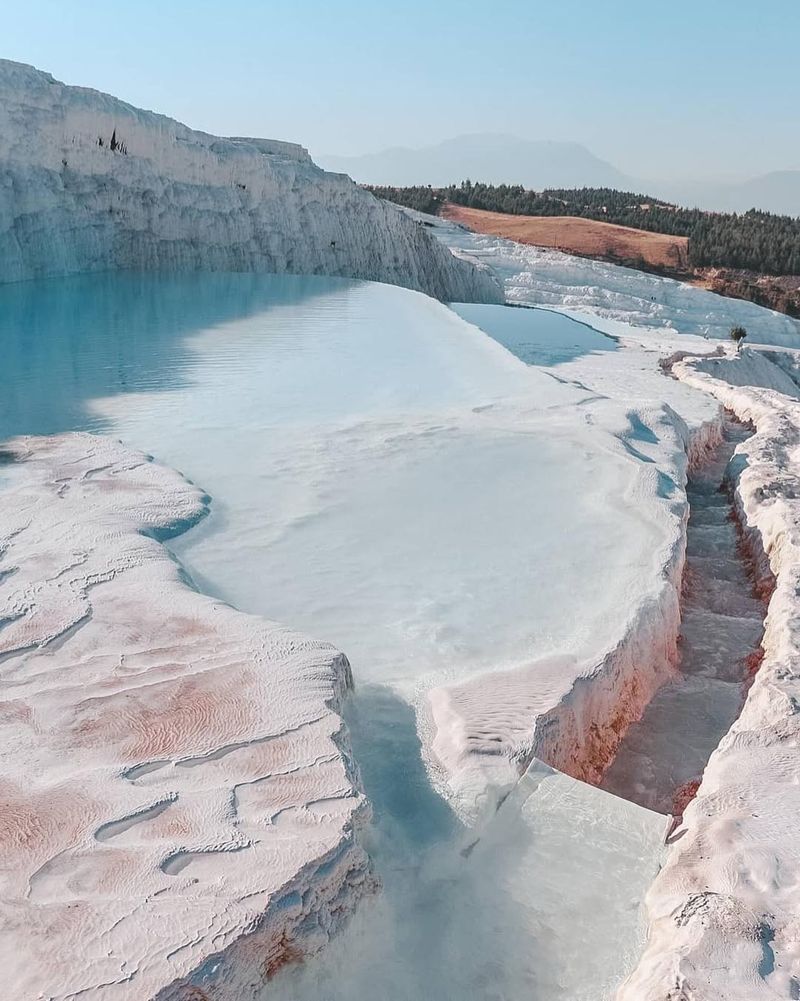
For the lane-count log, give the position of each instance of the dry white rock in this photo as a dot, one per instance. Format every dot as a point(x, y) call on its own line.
point(90, 183)
point(725, 910)
point(180, 809)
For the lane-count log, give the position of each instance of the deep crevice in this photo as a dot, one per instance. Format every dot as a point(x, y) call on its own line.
point(660, 761)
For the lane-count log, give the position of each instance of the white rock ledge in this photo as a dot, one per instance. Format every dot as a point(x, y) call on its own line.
point(174, 198)
point(725, 910)
point(180, 808)
point(569, 714)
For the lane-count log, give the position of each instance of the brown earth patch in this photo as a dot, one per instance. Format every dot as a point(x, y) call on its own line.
point(780, 292)
point(658, 253)
point(583, 237)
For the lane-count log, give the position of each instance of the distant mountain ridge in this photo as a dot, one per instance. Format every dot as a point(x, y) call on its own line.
point(777, 191)
point(498, 158)
point(493, 158)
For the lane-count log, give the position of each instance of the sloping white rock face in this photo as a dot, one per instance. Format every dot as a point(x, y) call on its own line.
point(725, 910)
point(757, 368)
point(173, 198)
point(180, 810)
point(568, 711)
point(612, 293)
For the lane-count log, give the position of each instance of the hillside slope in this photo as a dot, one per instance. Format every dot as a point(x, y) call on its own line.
point(574, 235)
point(657, 253)
point(89, 183)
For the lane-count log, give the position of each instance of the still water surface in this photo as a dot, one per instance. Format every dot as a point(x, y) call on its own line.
point(386, 477)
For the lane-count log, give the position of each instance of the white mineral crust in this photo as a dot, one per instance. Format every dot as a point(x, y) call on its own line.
point(725, 910)
point(180, 810)
point(173, 198)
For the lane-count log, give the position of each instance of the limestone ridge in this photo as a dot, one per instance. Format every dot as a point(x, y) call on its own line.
point(90, 183)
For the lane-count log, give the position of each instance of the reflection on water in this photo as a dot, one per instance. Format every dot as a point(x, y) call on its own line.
point(66, 341)
point(536, 336)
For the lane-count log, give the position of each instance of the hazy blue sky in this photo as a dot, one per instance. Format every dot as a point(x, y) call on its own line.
point(660, 89)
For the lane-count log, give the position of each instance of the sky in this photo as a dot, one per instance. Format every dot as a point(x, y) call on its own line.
point(663, 90)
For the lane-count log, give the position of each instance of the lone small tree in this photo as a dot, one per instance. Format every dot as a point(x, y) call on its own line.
point(738, 334)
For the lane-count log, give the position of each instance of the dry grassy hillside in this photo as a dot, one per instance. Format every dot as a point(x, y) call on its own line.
point(586, 237)
point(656, 252)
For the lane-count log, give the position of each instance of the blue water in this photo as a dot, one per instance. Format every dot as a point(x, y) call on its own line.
point(536, 336)
point(341, 428)
point(67, 341)
point(385, 477)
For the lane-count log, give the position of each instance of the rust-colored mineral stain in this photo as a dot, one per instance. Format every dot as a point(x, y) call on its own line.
point(36, 826)
point(283, 953)
point(683, 797)
point(16, 711)
point(171, 718)
point(194, 994)
point(184, 627)
point(752, 663)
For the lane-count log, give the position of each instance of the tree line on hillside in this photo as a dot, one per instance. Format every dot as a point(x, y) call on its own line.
point(419, 197)
point(754, 240)
point(625, 208)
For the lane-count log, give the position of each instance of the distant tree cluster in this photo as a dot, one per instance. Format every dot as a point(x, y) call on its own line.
point(625, 208)
point(737, 335)
point(753, 241)
point(419, 198)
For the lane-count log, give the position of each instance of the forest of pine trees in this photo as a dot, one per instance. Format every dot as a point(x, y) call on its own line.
point(419, 198)
point(754, 240)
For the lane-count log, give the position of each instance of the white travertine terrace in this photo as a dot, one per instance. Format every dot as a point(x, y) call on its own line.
point(180, 808)
point(725, 910)
point(570, 712)
point(612, 297)
point(172, 198)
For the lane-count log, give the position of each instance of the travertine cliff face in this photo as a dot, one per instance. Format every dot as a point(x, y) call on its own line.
point(90, 183)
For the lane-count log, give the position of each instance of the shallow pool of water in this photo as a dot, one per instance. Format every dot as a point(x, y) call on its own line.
point(386, 477)
point(383, 475)
point(536, 336)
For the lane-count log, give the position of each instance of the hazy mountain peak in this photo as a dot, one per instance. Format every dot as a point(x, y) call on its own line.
point(483, 156)
point(498, 158)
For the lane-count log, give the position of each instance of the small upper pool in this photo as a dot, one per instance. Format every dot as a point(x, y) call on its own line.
point(536, 336)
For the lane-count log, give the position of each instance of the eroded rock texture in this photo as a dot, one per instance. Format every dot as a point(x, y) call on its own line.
point(90, 183)
point(180, 810)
